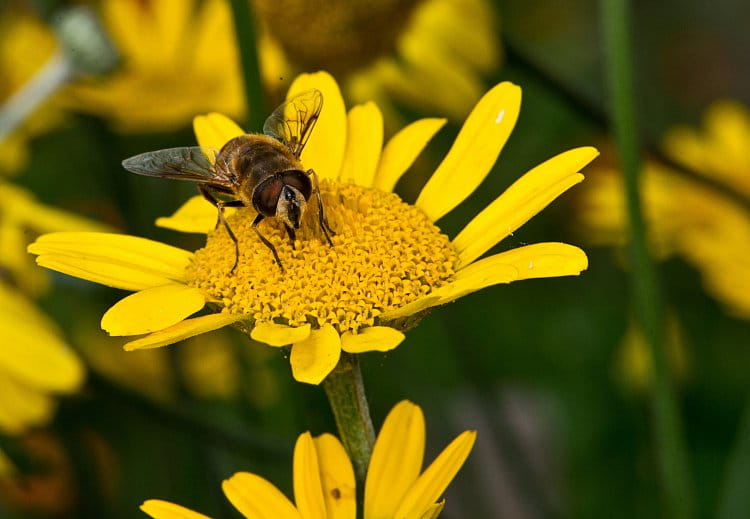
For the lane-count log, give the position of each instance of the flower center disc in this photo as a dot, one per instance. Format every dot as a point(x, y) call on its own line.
point(386, 253)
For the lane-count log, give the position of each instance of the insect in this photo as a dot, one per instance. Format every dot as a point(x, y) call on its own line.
point(262, 171)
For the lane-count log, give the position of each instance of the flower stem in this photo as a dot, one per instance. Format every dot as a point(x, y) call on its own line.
point(648, 306)
point(734, 500)
point(346, 394)
point(244, 30)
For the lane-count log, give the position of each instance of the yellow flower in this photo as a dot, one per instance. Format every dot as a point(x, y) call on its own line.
point(25, 46)
point(35, 364)
point(634, 366)
point(706, 227)
point(178, 59)
point(324, 485)
point(20, 215)
point(387, 50)
point(389, 263)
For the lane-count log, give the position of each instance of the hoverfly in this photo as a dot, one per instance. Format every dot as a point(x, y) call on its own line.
point(262, 171)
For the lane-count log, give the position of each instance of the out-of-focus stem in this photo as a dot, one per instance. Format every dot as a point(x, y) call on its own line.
point(648, 308)
point(51, 77)
point(734, 499)
point(244, 29)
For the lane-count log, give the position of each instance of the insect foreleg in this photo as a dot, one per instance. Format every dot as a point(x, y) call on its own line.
point(292, 236)
point(220, 205)
point(321, 215)
point(267, 243)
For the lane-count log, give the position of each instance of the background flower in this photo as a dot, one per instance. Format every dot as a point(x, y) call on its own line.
point(705, 225)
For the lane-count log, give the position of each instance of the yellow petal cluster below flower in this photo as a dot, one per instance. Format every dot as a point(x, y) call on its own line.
point(706, 227)
point(324, 487)
point(346, 150)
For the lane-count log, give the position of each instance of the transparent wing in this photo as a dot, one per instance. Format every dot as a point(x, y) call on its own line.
point(293, 121)
point(188, 163)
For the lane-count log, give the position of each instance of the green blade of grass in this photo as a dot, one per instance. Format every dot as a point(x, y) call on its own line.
point(668, 436)
point(244, 29)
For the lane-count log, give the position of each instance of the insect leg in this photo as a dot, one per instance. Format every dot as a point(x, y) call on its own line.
point(267, 243)
point(321, 215)
point(292, 235)
point(220, 205)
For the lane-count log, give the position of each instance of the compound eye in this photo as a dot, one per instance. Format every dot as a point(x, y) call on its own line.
point(298, 180)
point(266, 196)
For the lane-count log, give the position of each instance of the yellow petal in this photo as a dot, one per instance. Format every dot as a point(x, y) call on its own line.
point(197, 215)
point(48, 219)
point(308, 489)
point(117, 260)
point(22, 406)
point(183, 330)
point(364, 141)
point(396, 460)
point(214, 130)
point(474, 151)
point(432, 483)
point(412, 308)
point(337, 478)
point(373, 338)
point(103, 272)
point(7, 468)
point(152, 309)
point(36, 356)
point(256, 498)
point(433, 511)
point(164, 510)
point(541, 260)
point(314, 358)
point(324, 151)
point(402, 150)
point(279, 334)
point(525, 198)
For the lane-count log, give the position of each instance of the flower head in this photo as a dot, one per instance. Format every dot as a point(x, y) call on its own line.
point(389, 262)
point(393, 50)
point(705, 226)
point(324, 486)
point(178, 59)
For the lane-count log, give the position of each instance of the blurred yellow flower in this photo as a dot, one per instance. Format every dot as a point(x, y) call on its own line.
point(21, 215)
point(324, 486)
point(389, 263)
point(35, 364)
point(386, 50)
point(25, 46)
point(178, 59)
point(634, 365)
point(706, 227)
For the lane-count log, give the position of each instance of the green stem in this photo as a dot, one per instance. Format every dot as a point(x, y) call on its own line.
point(667, 428)
point(346, 394)
point(244, 30)
point(734, 499)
